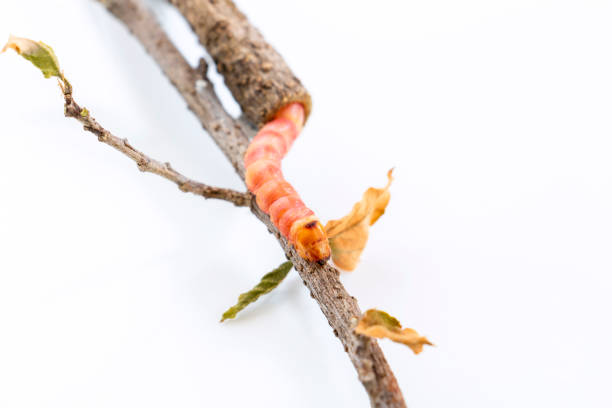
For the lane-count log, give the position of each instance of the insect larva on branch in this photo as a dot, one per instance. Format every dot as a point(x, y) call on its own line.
point(273, 194)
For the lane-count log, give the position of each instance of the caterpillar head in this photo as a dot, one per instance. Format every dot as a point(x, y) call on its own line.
point(310, 240)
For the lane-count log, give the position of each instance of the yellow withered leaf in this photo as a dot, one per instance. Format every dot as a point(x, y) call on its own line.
point(349, 235)
point(379, 324)
point(38, 53)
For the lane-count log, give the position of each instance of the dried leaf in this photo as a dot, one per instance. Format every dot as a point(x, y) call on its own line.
point(349, 235)
point(267, 283)
point(38, 53)
point(379, 324)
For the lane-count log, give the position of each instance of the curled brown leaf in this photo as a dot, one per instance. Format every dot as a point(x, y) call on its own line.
point(379, 324)
point(349, 235)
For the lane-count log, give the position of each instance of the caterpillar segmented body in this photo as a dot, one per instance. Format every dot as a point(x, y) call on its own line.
point(273, 194)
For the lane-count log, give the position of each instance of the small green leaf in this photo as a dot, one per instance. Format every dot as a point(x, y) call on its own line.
point(267, 283)
point(84, 113)
point(38, 53)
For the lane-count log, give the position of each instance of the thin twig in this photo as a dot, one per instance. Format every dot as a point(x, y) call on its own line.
point(340, 308)
point(144, 162)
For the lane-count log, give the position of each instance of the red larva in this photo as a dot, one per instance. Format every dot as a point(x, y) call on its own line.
point(274, 195)
point(271, 191)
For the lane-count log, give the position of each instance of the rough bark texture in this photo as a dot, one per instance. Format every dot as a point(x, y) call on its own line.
point(227, 133)
point(340, 308)
point(255, 73)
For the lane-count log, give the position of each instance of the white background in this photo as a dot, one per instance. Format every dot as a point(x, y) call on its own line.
point(496, 243)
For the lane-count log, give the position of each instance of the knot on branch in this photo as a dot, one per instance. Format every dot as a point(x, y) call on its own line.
point(203, 68)
point(143, 164)
point(188, 187)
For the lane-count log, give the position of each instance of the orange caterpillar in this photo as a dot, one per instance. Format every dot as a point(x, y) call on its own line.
point(274, 195)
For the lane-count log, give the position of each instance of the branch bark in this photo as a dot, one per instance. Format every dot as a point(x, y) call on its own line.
point(144, 162)
point(257, 75)
point(340, 308)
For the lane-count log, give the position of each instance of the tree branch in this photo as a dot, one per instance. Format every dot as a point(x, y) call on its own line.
point(257, 75)
point(145, 163)
point(340, 308)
